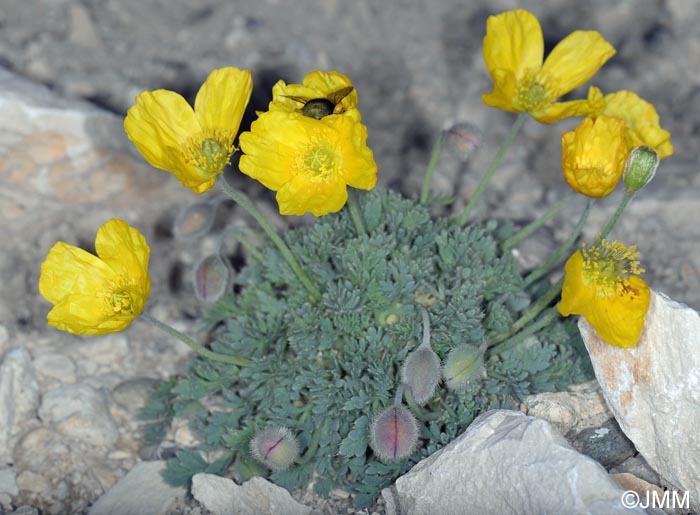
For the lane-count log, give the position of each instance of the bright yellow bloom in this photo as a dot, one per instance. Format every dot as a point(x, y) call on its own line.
point(594, 155)
point(308, 162)
point(320, 94)
point(513, 52)
point(195, 145)
point(97, 294)
point(641, 119)
point(603, 285)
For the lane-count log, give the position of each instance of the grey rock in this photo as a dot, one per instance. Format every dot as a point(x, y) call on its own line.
point(606, 444)
point(506, 463)
point(52, 367)
point(257, 496)
point(133, 394)
point(8, 481)
point(141, 491)
point(19, 398)
point(653, 390)
point(81, 412)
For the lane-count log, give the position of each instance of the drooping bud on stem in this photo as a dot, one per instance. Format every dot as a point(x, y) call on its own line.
point(640, 168)
point(421, 370)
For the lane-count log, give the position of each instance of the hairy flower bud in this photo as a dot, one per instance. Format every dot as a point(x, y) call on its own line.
point(462, 139)
point(275, 447)
point(212, 278)
point(463, 364)
point(394, 434)
point(421, 373)
point(194, 220)
point(640, 168)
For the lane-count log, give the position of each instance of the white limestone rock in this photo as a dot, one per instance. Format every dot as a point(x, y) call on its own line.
point(141, 491)
point(19, 398)
point(653, 390)
point(507, 463)
point(222, 496)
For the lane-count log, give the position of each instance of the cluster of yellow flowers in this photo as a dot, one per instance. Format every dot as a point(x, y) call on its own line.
point(310, 145)
point(594, 154)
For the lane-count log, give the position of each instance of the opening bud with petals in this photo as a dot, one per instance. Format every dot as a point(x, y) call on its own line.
point(275, 447)
point(394, 434)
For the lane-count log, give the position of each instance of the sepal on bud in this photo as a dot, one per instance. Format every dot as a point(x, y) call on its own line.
point(212, 278)
point(461, 140)
point(464, 364)
point(394, 434)
point(194, 220)
point(640, 168)
point(275, 447)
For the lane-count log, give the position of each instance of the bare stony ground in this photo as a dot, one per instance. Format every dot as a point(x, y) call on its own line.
point(417, 70)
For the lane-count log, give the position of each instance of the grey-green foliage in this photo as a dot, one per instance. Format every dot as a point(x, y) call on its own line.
point(324, 369)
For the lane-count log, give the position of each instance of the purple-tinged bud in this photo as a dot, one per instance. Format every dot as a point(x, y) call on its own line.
point(275, 447)
point(464, 364)
point(421, 373)
point(462, 139)
point(194, 221)
point(212, 278)
point(394, 434)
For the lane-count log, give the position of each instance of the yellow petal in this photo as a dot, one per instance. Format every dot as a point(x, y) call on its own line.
point(513, 42)
point(575, 295)
point(359, 167)
point(124, 250)
point(300, 196)
point(641, 121)
point(222, 99)
point(574, 60)
point(504, 91)
point(559, 110)
point(70, 270)
point(159, 125)
point(84, 314)
point(619, 319)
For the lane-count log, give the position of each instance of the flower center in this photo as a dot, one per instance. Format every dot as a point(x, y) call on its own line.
point(607, 267)
point(533, 92)
point(121, 297)
point(319, 162)
point(209, 151)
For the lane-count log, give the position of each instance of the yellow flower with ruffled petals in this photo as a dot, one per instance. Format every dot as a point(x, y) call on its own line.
point(319, 93)
point(642, 126)
point(602, 284)
point(97, 294)
point(513, 52)
point(594, 155)
point(193, 144)
point(308, 162)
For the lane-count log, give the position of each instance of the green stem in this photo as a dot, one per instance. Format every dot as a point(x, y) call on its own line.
point(355, 214)
point(529, 229)
point(543, 321)
point(243, 201)
point(313, 444)
point(530, 314)
point(541, 271)
point(199, 349)
point(616, 215)
point(425, 191)
point(462, 219)
point(236, 233)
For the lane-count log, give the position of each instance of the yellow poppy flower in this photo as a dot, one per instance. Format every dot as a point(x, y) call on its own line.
point(603, 285)
point(641, 119)
point(308, 162)
point(513, 52)
point(97, 294)
point(194, 144)
point(319, 95)
point(594, 155)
